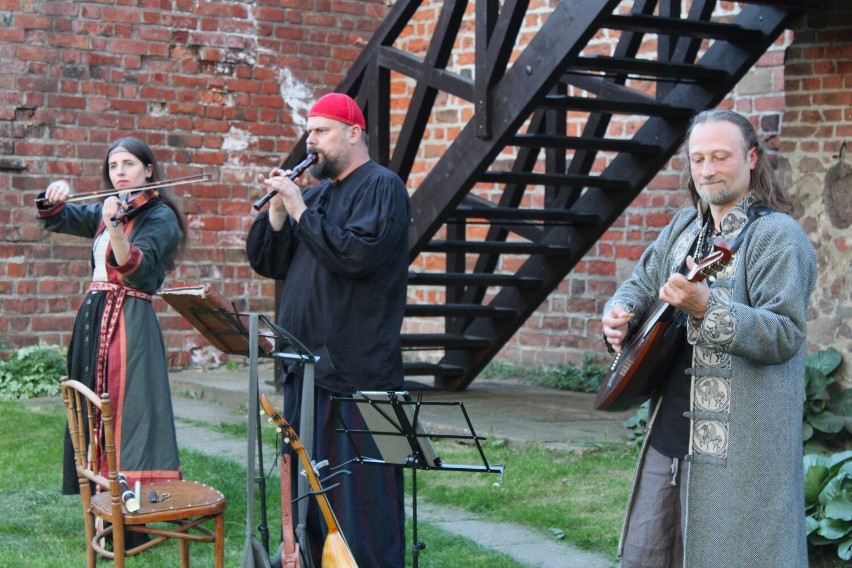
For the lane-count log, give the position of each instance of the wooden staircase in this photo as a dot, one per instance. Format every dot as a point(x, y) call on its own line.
point(522, 102)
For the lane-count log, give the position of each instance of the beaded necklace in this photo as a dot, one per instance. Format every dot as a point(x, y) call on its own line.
point(706, 237)
point(704, 244)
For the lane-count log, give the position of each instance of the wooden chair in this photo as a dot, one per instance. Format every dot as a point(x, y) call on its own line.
point(190, 503)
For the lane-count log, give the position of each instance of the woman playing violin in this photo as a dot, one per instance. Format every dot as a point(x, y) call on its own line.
point(117, 345)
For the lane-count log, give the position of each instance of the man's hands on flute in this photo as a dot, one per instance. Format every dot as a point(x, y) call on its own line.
point(288, 199)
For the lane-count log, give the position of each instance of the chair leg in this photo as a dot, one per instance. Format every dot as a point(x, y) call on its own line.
point(184, 553)
point(118, 547)
point(91, 555)
point(219, 543)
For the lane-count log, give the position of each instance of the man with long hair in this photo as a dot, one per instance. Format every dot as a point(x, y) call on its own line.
point(720, 479)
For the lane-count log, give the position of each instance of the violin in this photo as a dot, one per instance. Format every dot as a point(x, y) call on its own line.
point(134, 204)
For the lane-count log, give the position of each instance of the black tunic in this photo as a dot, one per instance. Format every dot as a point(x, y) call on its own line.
point(345, 269)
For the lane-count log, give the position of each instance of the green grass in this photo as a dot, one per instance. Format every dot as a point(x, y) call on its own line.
point(41, 528)
point(585, 377)
point(576, 496)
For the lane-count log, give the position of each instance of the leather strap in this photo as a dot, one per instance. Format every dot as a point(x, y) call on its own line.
point(754, 213)
point(290, 552)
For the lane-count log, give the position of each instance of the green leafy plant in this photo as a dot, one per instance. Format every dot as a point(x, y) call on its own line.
point(585, 377)
point(638, 423)
point(828, 501)
point(31, 371)
point(827, 420)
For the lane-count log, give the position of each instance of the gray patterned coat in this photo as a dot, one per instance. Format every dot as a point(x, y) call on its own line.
point(745, 499)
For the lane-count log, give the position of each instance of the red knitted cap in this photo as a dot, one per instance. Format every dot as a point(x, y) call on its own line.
point(340, 107)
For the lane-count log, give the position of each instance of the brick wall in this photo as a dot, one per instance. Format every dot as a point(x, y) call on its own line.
point(213, 87)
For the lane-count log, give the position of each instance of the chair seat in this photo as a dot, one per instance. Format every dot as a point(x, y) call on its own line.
point(186, 499)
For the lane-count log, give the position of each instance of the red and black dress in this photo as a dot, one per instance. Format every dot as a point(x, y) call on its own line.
point(117, 345)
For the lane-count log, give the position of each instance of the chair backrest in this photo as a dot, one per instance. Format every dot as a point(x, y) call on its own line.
point(90, 424)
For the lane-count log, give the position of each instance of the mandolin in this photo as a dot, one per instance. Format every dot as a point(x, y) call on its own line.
point(646, 358)
point(335, 551)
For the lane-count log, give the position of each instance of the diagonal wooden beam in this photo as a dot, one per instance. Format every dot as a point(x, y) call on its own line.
point(423, 98)
point(561, 38)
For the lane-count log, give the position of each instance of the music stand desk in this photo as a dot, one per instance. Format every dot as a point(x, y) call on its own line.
point(393, 423)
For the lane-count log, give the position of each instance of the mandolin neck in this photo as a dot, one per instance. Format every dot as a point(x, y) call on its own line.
point(322, 500)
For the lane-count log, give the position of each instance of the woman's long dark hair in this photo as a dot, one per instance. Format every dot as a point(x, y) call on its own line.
point(143, 152)
point(764, 184)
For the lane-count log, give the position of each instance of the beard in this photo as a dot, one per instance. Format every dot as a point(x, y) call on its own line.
point(720, 194)
point(328, 167)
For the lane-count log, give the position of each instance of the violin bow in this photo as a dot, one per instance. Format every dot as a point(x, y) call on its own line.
point(144, 187)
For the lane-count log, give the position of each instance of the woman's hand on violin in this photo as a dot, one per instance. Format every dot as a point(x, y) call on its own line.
point(57, 192)
point(111, 209)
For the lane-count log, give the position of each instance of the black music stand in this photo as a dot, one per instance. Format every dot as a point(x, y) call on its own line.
point(220, 322)
point(393, 424)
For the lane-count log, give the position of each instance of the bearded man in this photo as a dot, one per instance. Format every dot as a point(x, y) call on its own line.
point(720, 481)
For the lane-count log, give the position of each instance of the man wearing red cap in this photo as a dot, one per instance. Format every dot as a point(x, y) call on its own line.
point(341, 248)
